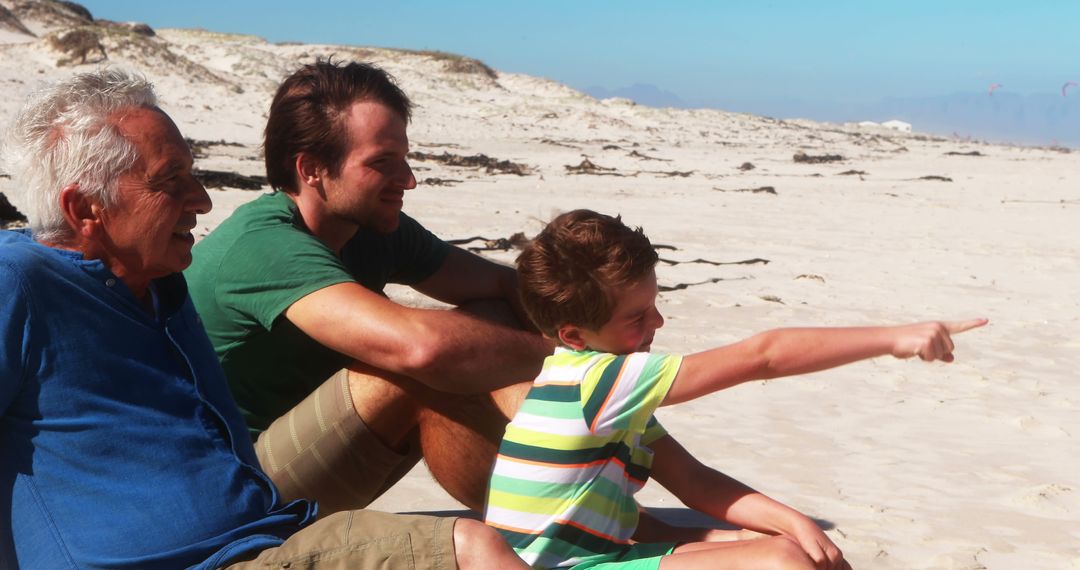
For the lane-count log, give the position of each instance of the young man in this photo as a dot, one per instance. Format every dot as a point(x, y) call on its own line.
point(343, 387)
point(585, 439)
point(121, 446)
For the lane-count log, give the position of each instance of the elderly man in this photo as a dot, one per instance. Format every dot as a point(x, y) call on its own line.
point(343, 387)
point(121, 445)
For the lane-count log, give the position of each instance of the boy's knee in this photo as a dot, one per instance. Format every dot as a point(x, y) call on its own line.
point(477, 545)
point(786, 554)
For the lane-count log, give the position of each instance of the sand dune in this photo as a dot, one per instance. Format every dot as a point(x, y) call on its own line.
point(974, 464)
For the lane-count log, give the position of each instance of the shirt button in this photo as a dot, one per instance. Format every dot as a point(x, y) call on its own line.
point(110, 282)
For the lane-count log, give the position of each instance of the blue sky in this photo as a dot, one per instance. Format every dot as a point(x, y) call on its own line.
point(738, 55)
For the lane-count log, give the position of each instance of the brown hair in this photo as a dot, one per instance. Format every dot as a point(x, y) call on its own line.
point(307, 115)
point(570, 272)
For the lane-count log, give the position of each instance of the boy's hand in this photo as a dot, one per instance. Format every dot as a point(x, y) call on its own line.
point(931, 340)
point(817, 545)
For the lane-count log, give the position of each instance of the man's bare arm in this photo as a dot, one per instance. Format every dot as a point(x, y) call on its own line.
point(466, 277)
point(470, 350)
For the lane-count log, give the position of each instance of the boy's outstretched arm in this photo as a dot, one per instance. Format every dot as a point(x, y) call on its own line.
point(787, 352)
point(711, 492)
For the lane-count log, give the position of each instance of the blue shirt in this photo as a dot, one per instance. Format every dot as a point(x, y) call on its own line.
point(121, 446)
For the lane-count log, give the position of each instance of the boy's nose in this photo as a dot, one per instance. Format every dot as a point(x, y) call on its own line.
point(657, 317)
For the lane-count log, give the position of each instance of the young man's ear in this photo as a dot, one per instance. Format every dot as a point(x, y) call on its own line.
point(570, 335)
point(82, 213)
point(308, 171)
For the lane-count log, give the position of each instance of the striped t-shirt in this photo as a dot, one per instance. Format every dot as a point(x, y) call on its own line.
point(575, 454)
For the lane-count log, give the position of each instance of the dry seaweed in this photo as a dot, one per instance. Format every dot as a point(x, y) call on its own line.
point(747, 166)
point(935, 177)
point(553, 142)
point(516, 240)
point(489, 164)
point(440, 182)
point(636, 154)
point(222, 179)
point(1061, 201)
point(759, 190)
point(804, 158)
point(972, 153)
point(752, 261)
point(588, 167)
point(200, 149)
point(681, 286)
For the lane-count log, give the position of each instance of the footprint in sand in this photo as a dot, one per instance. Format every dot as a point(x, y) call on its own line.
point(1051, 498)
point(1030, 424)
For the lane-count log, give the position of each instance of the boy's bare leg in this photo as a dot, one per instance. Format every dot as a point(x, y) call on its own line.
point(770, 552)
point(478, 547)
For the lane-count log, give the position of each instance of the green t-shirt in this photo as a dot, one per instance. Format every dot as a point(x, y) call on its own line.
point(261, 260)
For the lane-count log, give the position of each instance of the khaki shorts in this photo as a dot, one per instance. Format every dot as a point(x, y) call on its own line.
point(321, 450)
point(364, 539)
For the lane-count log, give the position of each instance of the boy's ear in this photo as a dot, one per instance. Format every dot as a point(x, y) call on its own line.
point(570, 335)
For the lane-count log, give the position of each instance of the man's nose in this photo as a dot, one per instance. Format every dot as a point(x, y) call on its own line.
point(408, 180)
point(198, 198)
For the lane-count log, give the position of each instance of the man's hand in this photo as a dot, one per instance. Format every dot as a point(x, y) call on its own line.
point(931, 340)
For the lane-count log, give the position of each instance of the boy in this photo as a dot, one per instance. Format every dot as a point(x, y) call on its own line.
point(585, 439)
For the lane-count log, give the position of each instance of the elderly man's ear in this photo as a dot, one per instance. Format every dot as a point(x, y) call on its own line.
point(81, 211)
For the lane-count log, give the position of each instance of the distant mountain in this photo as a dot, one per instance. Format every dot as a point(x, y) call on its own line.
point(1041, 119)
point(640, 93)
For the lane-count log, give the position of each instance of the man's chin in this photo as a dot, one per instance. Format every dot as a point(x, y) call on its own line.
point(388, 225)
point(180, 260)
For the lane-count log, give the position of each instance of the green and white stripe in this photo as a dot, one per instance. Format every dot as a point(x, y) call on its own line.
point(575, 454)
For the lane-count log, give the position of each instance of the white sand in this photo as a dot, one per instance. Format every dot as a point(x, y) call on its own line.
point(974, 464)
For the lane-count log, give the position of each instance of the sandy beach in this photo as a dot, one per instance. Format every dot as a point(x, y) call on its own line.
point(968, 465)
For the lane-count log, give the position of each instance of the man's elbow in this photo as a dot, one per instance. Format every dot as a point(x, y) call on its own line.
point(433, 363)
point(420, 359)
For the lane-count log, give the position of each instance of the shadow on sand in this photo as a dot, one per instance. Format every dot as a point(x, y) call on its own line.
point(675, 516)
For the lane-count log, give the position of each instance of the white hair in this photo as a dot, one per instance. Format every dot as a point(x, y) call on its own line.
point(65, 134)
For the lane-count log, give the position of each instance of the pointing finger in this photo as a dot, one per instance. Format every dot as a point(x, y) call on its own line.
point(960, 326)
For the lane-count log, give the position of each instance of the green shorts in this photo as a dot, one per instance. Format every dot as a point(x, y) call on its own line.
point(641, 556)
